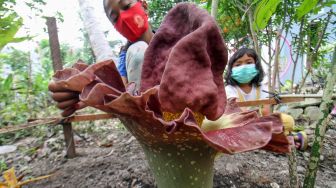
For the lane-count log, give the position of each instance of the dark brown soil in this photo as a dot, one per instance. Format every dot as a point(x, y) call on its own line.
point(123, 165)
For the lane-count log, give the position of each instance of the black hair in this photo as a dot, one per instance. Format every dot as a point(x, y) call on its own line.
point(240, 53)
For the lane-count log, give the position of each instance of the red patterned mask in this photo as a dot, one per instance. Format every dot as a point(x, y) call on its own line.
point(132, 23)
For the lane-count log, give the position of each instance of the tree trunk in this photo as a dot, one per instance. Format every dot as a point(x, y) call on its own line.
point(214, 8)
point(321, 126)
point(276, 62)
point(98, 41)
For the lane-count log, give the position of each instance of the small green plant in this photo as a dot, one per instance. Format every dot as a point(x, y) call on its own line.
point(3, 165)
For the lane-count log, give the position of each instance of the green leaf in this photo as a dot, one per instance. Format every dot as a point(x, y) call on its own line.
point(329, 3)
point(10, 25)
point(263, 12)
point(7, 83)
point(305, 7)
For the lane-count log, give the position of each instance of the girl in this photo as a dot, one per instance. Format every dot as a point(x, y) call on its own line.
point(243, 82)
point(244, 76)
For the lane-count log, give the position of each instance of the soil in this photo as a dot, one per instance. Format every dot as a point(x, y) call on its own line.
point(112, 158)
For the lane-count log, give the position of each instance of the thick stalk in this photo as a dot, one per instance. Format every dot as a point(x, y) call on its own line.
point(181, 165)
point(321, 127)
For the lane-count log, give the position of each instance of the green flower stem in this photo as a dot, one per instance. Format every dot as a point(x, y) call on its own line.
point(182, 165)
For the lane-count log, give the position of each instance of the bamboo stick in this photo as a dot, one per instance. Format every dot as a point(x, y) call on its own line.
point(55, 121)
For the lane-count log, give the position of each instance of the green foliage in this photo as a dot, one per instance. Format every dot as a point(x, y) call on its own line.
point(263, 12)
point(23, 95)
point(24, 87)
point(286, 86)
point(305, 7)
point(158, 9)
point(322, 65)
point(69, 55)
point(3, 165)
point(230, 19)
point(11, 22)
point(29, 151)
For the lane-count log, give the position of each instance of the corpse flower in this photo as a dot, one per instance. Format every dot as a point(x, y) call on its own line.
point(180, 115)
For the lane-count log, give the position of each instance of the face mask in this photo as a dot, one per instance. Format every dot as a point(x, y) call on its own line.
point(244, 73)
point(132, 23)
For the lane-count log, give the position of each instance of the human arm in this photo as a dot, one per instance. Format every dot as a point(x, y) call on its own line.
point(122, 66)
point(266, 110)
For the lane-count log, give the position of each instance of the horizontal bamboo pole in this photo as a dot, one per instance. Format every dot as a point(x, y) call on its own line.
point(55, 121)
point(92, 117)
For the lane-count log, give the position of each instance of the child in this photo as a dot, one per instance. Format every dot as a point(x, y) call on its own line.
point(243, 82)
point(244, 77)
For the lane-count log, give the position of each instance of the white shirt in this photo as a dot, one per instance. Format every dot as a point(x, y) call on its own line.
point(231, 92)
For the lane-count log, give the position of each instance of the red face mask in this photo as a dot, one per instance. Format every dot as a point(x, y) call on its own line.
point(132, 23)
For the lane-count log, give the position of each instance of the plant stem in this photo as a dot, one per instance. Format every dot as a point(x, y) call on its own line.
point(292, 163)
point(253, 33)
point(181, 165)
point(321, 127)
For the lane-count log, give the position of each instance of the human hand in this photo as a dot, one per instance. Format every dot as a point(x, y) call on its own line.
point(67, 100)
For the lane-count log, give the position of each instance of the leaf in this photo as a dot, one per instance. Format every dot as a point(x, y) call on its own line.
point(9, 176)
point(34, 179)
point(10, 26)
point(7, 83)
point(329, 3)
point(263, 12)
point(305, 7)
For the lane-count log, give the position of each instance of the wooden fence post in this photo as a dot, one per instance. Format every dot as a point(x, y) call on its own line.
point(57, 65)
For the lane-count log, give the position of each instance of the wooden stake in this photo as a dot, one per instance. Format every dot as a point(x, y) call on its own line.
point(57, 65)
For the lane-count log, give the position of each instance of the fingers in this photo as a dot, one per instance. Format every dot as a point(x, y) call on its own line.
point(72, 109)
point(64, 96)
point(67, 112)
point(53, 87)
point(66, 104)
point(68, 101)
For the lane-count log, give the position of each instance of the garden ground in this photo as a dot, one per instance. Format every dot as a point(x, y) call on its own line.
point(108, 156)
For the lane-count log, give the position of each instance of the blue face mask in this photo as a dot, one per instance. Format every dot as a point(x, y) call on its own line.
point(244, 73)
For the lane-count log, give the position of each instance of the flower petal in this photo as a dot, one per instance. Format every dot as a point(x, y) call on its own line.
point(80, 65)
point(187, 61)
point(75, 79)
